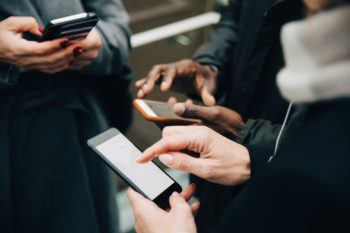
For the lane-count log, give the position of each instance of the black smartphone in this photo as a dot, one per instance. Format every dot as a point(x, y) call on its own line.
point(147, 179)
point(70, 27)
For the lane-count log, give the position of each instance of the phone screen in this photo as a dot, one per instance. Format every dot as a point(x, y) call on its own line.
point(149, 178)
point(155, 109)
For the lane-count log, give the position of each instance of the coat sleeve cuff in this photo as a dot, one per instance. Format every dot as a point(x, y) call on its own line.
point(259, 157)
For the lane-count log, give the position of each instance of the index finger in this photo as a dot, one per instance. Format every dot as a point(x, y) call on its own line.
point(172, 143)
point(42, 48)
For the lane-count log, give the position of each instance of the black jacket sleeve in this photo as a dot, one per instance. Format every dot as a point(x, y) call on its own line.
point(305, 187)
point(259, 136)
point(223, 38)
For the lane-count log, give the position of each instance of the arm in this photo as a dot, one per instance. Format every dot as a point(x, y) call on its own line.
point(218, 51)
point(223, 38)
point(114, 33)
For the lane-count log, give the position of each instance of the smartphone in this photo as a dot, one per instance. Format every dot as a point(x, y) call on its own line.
point(147, 179)
point(70, 27)
point(161, 112)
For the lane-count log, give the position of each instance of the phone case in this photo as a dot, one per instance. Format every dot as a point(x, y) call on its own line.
point(73, 29)
point(177, 120)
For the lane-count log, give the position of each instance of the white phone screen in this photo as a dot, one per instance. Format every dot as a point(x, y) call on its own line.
point(147, 177)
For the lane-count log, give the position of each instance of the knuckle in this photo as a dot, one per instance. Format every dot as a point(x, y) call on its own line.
point(215, 113)
point(166, 131)
point(182, 164)
point(208, 173)
point(183, 207)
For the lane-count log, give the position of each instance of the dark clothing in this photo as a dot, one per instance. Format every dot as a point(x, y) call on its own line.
point(246, 49)
point(49, 180)
point(306, 187)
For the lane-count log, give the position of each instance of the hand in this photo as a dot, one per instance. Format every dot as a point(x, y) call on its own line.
point(221, 160)
point(48, 57)
point(151, 219)
point(221, 119)
point(185, 76)
point(88, 52)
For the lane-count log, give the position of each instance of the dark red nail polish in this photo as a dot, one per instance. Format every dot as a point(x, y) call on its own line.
point(64, 43)
point(41, 30)
point(77, 51)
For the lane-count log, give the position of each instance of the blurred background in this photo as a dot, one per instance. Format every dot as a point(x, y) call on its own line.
point(163, 31)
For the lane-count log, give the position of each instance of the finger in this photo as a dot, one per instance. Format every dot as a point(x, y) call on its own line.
point(65, 54)
point(195, 111)
point(178, 203)
point(195, 207)
point(138, 203)
point(140, 94)
point(172, 100)
point(53, 69)
point(188, 192)
point(189, 101)
point(186, 163)
point(24, 24)
point(172, 130)
point(207, 97)
point(188, 139)
point(168, 79)
point(139, 83)
point(32, 48)
point(152, 78)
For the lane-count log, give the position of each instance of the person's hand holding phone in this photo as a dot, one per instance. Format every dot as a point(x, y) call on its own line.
point(185, 76)
point(220, 160)
point(48, 57)
point(88, 52)
point(223, 120)
point(179, 218)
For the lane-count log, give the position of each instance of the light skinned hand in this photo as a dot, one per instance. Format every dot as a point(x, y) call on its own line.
point(88, 52)
point(223, 120)
point(149, 218)
point(185, 76)
point(220, 160)
point(48, 57)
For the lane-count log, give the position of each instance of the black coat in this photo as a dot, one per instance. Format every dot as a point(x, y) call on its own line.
point(245, 47)
point(306, 187)
point(50, 181)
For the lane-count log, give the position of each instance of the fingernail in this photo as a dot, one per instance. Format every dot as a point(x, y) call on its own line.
point(175, 194)
point(138, 159)
point(140, 94)
point(166, 159)
point(64, 43)
point(163, 86)
point(77, 51)
point(41, 29)
point(179, 109)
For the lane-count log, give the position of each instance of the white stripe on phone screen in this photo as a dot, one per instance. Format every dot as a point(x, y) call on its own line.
point(146, 108)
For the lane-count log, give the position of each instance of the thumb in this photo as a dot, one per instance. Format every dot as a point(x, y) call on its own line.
point(207, 97)
point(24, 24)
point(194, 111)
point(178, 203)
